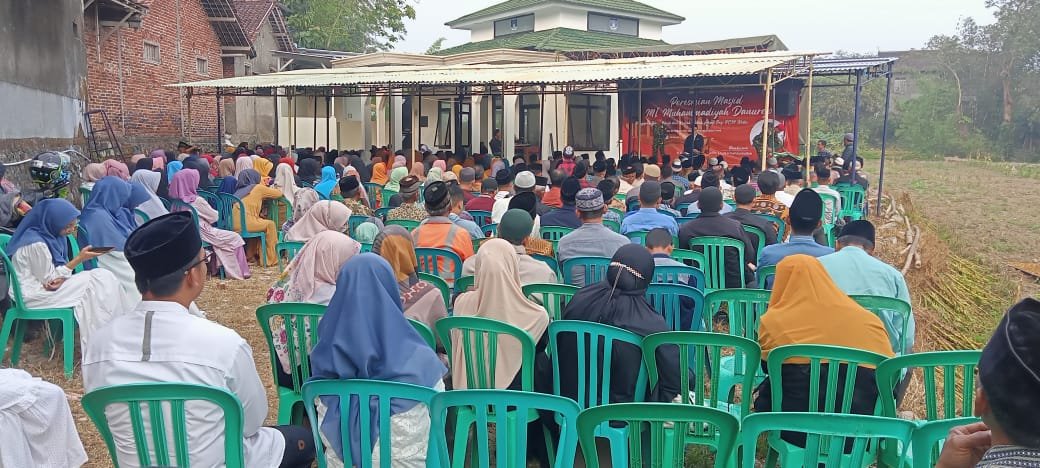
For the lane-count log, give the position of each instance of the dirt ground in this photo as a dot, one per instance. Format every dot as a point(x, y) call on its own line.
point(981, 212)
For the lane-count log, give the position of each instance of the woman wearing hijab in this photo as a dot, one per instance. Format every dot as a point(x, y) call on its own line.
point(367, 231)
point(497, 295)
point(285, 180)
point(619, 301)
point(264, 167)
point(379, 173)
point(365, 335)
point(329, 183)
point(422, 301)
point(153, 207)
point(310, 172)
point(241, 164)
point(326, 215)
point(172, 168)
point(253, 195)
point(395, 179)
point(399, 161)
point(419, 171)
point(39, 253)
point(227, 245)
point(116, 169)
point(106, 221)
point(92, 173)
point(303, 202)
point(226, 167)
point(806, 307)
point(352, 171)
point(311, 278)
point(196, 164)
point(289, 161)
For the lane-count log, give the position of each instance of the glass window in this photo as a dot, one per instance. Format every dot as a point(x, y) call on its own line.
point(589, 121)
point(201, 66)
point(530, 119)
point(516, 24)
point(442, 138)
point(496, 113)
point(613, 24)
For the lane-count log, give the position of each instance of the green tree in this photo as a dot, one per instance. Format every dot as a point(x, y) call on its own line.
point(436, 46)
point(349, 25)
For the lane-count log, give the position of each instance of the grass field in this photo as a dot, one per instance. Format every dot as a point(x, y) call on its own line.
point(984, 212)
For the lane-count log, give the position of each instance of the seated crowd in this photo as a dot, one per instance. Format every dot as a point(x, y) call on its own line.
point(367, 223)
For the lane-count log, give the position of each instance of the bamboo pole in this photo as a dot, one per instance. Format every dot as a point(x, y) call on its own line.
point(765, 117)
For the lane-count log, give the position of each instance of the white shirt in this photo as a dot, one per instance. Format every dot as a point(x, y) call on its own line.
point(784, 197)
point(38, 429)
point(181, 347)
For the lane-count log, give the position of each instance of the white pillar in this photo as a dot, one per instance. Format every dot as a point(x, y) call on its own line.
point(476, 131)
point(510, 124)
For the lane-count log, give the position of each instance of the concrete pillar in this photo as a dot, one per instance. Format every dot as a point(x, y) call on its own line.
point(477, 122)
point(510, 124)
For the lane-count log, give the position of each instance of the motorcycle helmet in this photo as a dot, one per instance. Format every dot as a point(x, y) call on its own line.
point(50, 170)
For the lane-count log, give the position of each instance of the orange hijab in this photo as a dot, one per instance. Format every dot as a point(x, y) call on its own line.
point(379, 173)
point(806, 307)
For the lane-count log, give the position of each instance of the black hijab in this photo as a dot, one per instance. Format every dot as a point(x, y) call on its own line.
point(309, 171)
point(164, 185)
point(364, 171)
point(619, 301)
point(142, 165)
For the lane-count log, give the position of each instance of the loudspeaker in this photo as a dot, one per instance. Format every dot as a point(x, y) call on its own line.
point(786, 103)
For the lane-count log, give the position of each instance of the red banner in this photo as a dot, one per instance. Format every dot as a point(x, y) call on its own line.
point(730, 122)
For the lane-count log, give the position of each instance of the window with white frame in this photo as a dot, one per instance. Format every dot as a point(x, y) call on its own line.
point(201, 66)
point(589, 121)
point(442, 136)
point(152, 54)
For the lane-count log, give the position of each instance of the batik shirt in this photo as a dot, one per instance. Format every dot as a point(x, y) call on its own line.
point(1000, 456)
point(358, 208)
point(408, 211)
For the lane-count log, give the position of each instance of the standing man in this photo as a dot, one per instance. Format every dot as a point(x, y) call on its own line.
point(496, 143)
point(822, 155)
point(848, 154)
point(161, 341)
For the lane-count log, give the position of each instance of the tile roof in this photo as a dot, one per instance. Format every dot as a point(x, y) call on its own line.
point(554, 40)
point(622, 6)
point(251, 14)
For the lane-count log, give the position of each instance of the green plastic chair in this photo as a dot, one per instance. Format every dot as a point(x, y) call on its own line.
point(481, 217)
point(690, 258)
point(440, 284)
point(714, 250)
point(928, 439)
point(764, 275)
point(297, 317)
point(382, 212)
point(74, 250)
point(141, 217)
point(551, 262)
point(425, 332)
point(759, 236)
point(489, 230)
point(666, 423)
point(212, 198)
point(818, 356)
point(378, 393)
point(594, 268)
point(595, 353)
point(386, 195)
point(781, 226)
point(880, 306)
point(84, 195)
point(553, 234)
point(288, 251)
point(956, 370)
point(826, 437)
point(409, 224)
point(689, 217)
point(374, 193)
point(274, 211)
point(852, 200)
point(612, 225)
point(828, 228)
point(502, 409)
point(153, 449)
point(553, 297)
point(744, 309)
point(354, 221)
point(620, 213)
point(464, 283)
point(667, 213)
point(676, 274)
point(238, 223)
point(701, 353)
point(18, 314)
point(440, 262)
point(667, 300)
point(479, 338)
point(637, 237)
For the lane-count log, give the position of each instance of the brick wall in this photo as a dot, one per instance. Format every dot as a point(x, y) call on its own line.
point(142, 110)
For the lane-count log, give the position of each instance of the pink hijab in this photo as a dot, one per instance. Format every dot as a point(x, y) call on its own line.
point(318, 263)
point(326, 215)
point(440, 164)
point(116, 168)
point(93, 172)
point(184, 186)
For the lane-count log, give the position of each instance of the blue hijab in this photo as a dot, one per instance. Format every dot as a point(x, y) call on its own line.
point(44, 223)
point(138, 195)
point(328, 182)
point(365, 335)
point(105, 217)
point(173, 167)
point(228, 185)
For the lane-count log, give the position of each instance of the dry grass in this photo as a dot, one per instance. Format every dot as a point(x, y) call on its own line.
point(230, 303)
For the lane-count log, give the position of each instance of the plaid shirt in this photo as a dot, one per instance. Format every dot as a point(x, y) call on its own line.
point(408, 211)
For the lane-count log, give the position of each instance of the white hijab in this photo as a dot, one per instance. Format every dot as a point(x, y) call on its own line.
point(284, 180)
point(150, 179)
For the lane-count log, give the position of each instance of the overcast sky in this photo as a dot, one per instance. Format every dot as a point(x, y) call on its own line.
point(864, 26)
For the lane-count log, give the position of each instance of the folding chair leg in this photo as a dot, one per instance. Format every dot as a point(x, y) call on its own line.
point(5, 336)
point(263, 248)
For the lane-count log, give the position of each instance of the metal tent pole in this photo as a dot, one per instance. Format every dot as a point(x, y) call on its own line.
point(314, 123)
point(277, 117)
point(541, 125)
point(328, 120)
point(884, 138)
point(855, 123)
point(220, 130)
